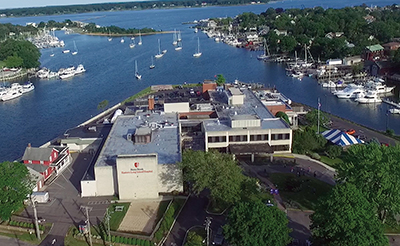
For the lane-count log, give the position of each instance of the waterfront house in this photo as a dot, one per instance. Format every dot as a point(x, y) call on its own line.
point(369, 19)
point(390, 47)
point(373, 52)
point(376, 68)
point(48, 161)
point(36, 178)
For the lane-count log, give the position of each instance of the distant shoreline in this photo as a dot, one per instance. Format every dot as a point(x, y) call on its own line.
point(125, 34)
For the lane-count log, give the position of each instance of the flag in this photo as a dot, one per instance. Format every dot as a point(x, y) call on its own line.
point(319, 104)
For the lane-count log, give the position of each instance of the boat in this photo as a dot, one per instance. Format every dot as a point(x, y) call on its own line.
point(348, 88)
point(52, 52)
point(379, 87)
point(13, 92)
point(394, 111)
point(140, 39)
point(65, 51)
point(76, 49)
point(394, 104)
point(109, 36)
point(217, 39)
point(27, 87)
point(122, 40)
point(43, 73)
point(370, 97)
point(351, 93)
point(152, 64)
point(80, 69)
point(52, 75)
point(196, 30)
point(159, 55)
point(331, 84)
point(198, 53)
point(266, 54)
point(179, 38)
point(174, 38)
point(137, 75)
point(67, 73)
point(109, 39)
point(132, 44)
point(179, 47)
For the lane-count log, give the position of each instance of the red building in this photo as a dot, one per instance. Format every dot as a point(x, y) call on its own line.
point(47, 161)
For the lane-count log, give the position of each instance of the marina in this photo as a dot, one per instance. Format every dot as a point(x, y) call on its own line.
point(110, 67)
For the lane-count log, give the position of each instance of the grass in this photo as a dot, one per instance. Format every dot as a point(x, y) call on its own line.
point(31, 238)
point(161, 209)
point(187, 85)
point(69, 240)
point(331, 162)
point(141, 93)
point(117, 217)
point(216, 208)
point(300, 192)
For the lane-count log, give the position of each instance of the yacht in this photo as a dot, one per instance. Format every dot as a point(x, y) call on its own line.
point(331, 84)
point(370, 97)
point(75, 49)
point(13, 92)
point(196, 30)
point(394, 111)
point(122, 40)
point(137, 75)
point(80, 69)
point(67, 73)
point(198, 53)
point(43, 73)
point(52, 75)
point(352, 92)
point(132, 45)
point(179, 46)
point(65, 51)
point(379, 87)
point(28, 87)
point(174, 38)
point(179, 38)
point(348, 88)
point(266, 54)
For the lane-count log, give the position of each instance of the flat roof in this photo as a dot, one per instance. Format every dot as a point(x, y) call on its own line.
point(216, 125)
point(235, 91)
point(164, 140)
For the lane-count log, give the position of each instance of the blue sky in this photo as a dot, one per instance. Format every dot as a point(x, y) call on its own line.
point(6, 4)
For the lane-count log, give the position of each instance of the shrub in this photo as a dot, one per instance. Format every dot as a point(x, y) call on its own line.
point(315, 156)
point(133, 241)
point(124, 240)
point(31, 226)
point(140, 242)
point(113, 238)
point(25, 225)
point(118, 239)
point(11, 223)
point(334, 151)
point(147, 243)
point(41, 227)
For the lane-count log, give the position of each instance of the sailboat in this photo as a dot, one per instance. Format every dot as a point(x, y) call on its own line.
point(174, 38)
point(76, 49)
point(198, 53)
point(159, 55)
point(137, 75)
point(140, 39)
point(266, 54)
point(109, 36)
point(122, 40)
point(52, 52)
point(179, 47)
point(132, 44)
point(179, 39)
point(152, 64)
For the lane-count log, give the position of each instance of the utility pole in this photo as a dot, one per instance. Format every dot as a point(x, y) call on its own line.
point(36, 218)
point(108, 226)
point(208, 223)
point(87, 209)
point(319, 108)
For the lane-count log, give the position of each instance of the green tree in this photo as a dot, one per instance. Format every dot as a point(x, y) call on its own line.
point(193, 239)
point(346, 217)
point(254, 223)
point(102, 105)
point(215, 171)
point(283, 115)
point(15, 186)
point(14, 61)
point(29, 53)
point(334, 151)
point(374, 169)
point(220, 79)
point(312, 117)
point(307, 140)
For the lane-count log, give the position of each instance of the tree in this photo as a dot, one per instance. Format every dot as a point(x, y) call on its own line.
point(307, 140)
point(15, 186)
point(14, 61)
point(254, 223)
point(334, 151)
point(283, 115)
point(220, 79)
point(345, 217)
point(312, 117)
point(194, 240)
point(102, 105)
point(29, 53)
point(215, 171)
point(374, 170)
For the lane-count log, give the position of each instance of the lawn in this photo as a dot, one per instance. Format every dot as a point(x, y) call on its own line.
point(299, 192)
point(161, 209)
point(142, 93)
point(31, 238)
point(331, 162)
point(69, 240)
point(117, 217)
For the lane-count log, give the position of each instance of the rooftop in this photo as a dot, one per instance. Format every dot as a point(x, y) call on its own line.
point(375, 47)
point(164, 141)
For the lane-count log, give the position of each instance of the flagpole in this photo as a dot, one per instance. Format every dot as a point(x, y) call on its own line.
point(319, 107)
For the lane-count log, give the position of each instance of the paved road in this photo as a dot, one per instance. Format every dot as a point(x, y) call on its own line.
point(12, 241)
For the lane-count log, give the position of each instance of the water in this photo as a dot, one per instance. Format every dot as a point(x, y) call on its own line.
point(57, 105)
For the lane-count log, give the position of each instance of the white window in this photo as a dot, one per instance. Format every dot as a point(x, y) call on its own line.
point(55, 154)
point(41, 162)
point(51, 159)
point(30, 161)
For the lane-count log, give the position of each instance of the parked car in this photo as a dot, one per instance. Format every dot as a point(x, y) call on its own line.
point(219, 237)
point(351, 131)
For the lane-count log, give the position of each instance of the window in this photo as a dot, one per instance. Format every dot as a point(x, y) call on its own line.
point(217, 139)
point(41, 162)
point(280, 147)
point(30, 161)
point(259, 137)
point(238, 138)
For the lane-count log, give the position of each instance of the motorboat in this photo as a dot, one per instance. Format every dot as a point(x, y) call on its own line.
point(52, 75)
point(122, 40)
point(137, 75)
point(65, 51)
point(350, 93)
point(394, 111)
point(379, 87)
point(348, 88)
point(80, 69)
point(198, 53)
point(27, 87)
point(43, 73)
point(13, 92)
point(370, 97)
point(67, 73)
point(164, 51)
point(331, 84)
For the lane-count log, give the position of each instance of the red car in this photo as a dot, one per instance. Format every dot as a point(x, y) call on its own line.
point(351, 131)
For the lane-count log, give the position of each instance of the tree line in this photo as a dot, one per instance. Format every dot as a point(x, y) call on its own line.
point(19, 53)
point(72, 9)
point(360, 26)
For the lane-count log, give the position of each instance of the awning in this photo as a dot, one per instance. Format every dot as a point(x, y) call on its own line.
point(340, 138)
point(243, 149)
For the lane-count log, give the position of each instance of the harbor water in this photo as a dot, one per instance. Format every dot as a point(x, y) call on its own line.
point(57, 105)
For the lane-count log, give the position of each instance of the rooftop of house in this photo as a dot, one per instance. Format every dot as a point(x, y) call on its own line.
point(40, 154)
point(391, 44)
point(375, 47)
point(164, 132)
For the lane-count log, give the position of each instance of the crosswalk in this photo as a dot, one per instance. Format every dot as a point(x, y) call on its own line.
point(98, 202)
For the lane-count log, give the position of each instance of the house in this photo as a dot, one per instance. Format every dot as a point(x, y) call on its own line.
point(376, 68)
point(351, 60)
point(390, 47)
point(369, 19)
point(49, 161)
point(373, 52)
point(37, 179)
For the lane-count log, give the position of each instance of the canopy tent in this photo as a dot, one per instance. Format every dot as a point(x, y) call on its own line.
point(340, 138)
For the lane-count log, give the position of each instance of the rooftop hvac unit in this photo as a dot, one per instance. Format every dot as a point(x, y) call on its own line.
point(129, 137)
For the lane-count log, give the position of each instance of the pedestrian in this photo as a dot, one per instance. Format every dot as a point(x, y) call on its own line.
point(298, 174)
point(272, 191)
point(291, 169)
point(309, 169)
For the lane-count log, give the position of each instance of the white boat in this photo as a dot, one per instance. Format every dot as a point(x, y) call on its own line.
point(198, 53)
point(122, 40)
point(76, 49)
point(52, 52)
point(140, 39)
point(109, 39)
point(347, 89)
point(196, 30)
point(379, 87)
point(152, 64)
point(65, 51)
point(137, 75)
point(179, 46)
point(159, 55)
point(174, 38)
point(80, 69)
point(394, 111)
point(13, 92)
point(52, 75)
point(350, 93)
point(27, 87)
point(67, 73)
point(217, 39)
point(370, 97)
point(43, 73)
point(132, 44)
point(331, 84)
point(179, 38)
point(394, 104)
point(265, 55)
